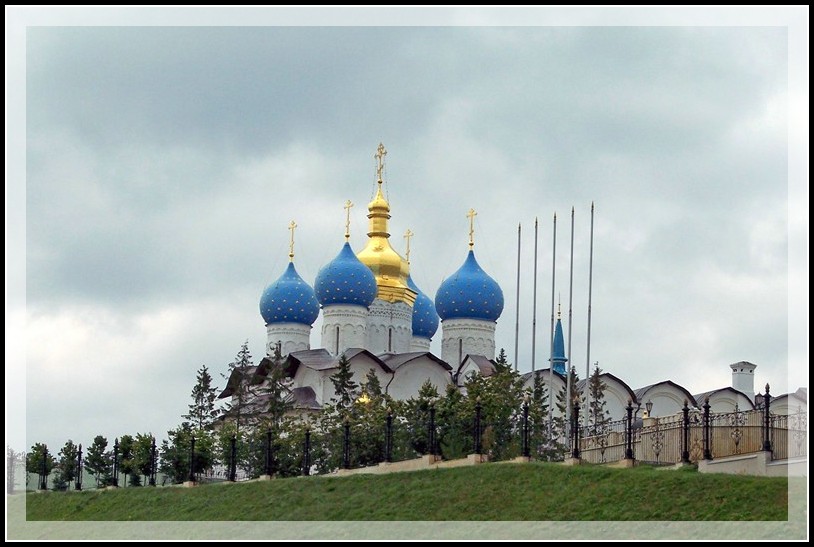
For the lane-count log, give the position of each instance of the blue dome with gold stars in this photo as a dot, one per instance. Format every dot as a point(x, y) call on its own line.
point(469, 294)
point(289, 300)
point(425, 320)
point(345, 280)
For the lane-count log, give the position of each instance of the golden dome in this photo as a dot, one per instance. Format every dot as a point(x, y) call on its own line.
point(389, 268)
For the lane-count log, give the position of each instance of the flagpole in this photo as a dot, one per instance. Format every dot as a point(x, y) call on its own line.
point(551, 334)
point(568, 401)
point(588, 349)
point(517, 307)
point(534, 304)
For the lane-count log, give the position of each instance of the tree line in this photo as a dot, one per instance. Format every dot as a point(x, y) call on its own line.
point(259, 431)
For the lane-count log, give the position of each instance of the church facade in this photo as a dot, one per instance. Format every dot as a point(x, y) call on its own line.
point(374, 314)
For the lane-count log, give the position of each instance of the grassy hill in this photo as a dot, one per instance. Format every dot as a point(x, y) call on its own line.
point(530, 492)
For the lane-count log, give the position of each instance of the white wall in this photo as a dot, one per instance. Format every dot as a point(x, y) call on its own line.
point(411, 376)
point(293, 337)
point(477, 336)
point(382, 318)
point(352, 323)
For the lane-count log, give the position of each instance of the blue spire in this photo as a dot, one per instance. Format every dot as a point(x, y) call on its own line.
point(559, 349)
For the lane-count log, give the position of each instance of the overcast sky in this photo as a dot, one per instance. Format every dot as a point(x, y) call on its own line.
point(163, 165)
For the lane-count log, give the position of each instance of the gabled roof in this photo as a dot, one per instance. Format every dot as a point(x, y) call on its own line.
point(701, 397)
point(396, 360)
point(642, 390)
point(320, 359)
point(486, 366)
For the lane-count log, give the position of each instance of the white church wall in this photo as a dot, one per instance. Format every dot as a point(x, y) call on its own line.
point(418, 343)
point(725, 401)
point(349, 322)
point(461, 337)
point(291, 336)
point(409, 378)
point(389, 327)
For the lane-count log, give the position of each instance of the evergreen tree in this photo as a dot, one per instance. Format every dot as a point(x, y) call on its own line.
point(539, 440)
point(126, 463)
point(345, 388)
point(560, 427)
point(502, 362)
point(202, 411)
point(598, 415)
point(277, 395)
point(142, 453)
point(175, 452)
point(240, 380)
point(66, 467)
point(34, 461)
point(98, 461)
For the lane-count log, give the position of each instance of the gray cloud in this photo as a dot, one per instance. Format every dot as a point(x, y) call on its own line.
point(164, 164)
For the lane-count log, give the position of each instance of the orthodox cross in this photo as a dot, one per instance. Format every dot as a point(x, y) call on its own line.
point(348, 205)
point(379, 155)
point(407, 235)
point(291, 227)
point(471, 214)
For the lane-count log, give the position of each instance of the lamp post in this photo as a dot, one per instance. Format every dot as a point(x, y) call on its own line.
point(649, 406)
point(526, 450)
point(431, 430)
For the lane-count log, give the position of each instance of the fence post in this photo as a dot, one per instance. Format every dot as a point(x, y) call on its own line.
point(306, 453)
point(233, 458)
point(575, 431)
point(431, 431)
point(44, 475)
point(116, 462)
point(526, 448)
point(388, 437)
point(153, 462)
point(767, 422)
point(476, 432)
point(685, 437)
point(77, 485)
point(191, 477)
point(346, 445)
point(707, 450)
point(268, 452)
point(629, 431)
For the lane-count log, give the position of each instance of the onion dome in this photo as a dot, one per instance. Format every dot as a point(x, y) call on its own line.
point(289, 300)
point(469, 294)
point(345, 280)
point(425, 319)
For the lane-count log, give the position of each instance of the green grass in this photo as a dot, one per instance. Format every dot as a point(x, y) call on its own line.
point(530, 492)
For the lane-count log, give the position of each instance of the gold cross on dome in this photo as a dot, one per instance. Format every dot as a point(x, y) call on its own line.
point(348, 205)
point(291, 227)
point(471, 215)
point(407, 235)
point(379, 155)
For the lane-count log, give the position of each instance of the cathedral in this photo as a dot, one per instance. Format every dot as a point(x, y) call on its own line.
point(374, 314)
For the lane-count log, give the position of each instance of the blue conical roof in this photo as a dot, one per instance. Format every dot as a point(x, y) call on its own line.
point(559, 358)
point(345, 280)
point(425, 319)
point(289, 300)
point(469, 294)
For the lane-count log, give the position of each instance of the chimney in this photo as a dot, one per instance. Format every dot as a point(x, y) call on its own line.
point(743, 377)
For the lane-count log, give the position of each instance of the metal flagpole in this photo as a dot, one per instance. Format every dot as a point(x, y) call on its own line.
point(517, 309)
point(534, 304)
point(588, 349)
point(551, 334)
point(568, 401)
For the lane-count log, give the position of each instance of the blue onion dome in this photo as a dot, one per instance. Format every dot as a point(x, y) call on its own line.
point(469, 294)
point(289, 300)
point(345, 280)
point(425, 320)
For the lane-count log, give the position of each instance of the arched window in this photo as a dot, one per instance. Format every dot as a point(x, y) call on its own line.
point(337, 341)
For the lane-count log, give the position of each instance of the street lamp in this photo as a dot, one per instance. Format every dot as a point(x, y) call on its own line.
point(649, 406)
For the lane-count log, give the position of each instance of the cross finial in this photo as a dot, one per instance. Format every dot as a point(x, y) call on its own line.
point(471, 214)
point(348, 205)
point(407, 235)
point(292, 225)
point(379, 155)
